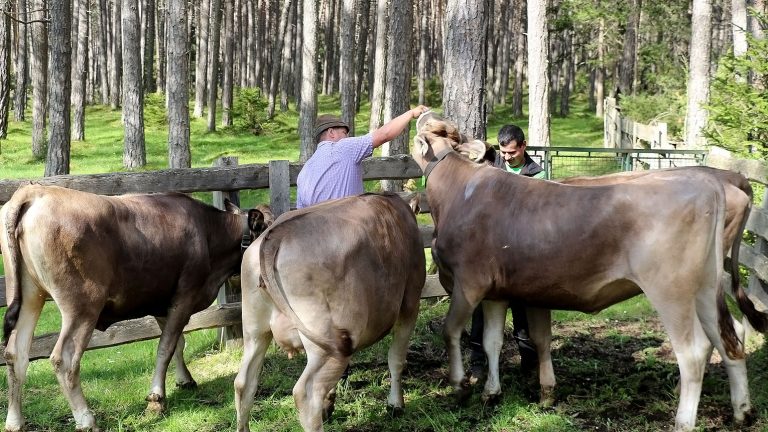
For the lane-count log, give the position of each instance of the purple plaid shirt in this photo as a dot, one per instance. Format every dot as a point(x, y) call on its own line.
point(333, 171)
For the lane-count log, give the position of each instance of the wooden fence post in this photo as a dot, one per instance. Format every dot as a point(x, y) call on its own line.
point(757, 287)
point(230, 336)
point(279, 187)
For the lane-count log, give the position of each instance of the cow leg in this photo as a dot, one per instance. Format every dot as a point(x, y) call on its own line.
point(257, 335)
point(540, 325)
point(315, 384)
point(458, 314)
point(17, 358)
point(396, 358)
point(166, 347)
point(494, 314)
point(76, 331)
point(736, 368)
point(183, 375)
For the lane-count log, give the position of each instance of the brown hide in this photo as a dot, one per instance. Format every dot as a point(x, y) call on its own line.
point(343, 270)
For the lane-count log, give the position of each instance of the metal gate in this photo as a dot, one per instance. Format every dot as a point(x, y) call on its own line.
point(562, 162)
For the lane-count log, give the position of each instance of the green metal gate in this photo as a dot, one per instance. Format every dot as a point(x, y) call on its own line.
point(562, 162)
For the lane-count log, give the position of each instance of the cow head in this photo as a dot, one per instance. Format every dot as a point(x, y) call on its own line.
point(259, 219)
point(435, 134)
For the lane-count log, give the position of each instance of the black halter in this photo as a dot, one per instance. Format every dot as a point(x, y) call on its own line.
point(433, 163)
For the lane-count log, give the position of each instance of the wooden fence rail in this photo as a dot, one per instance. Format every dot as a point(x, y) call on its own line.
point(234, 178)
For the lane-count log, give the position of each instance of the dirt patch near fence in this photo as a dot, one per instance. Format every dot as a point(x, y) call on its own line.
point(616, 376)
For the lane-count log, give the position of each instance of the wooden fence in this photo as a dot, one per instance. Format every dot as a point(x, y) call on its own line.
point(621, 132)
point(278, 176)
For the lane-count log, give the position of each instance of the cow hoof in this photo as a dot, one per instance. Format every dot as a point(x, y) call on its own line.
point(88, 429)
point(747, 418)
point(396, 411)
point(188, 385)
point(491, 400)
point(156, 403)
point(463, 393)
point(547, 397)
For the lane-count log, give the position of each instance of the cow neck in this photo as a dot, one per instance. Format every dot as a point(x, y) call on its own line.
point(245, 240)
point(433, 163)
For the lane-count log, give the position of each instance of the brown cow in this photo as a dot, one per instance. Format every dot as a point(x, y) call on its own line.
point(557, 246)
point(330, 279)
point(104, 260)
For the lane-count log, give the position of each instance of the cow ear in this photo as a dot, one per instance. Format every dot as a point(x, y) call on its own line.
point(475, 150)
point(231, 207)
point(421, 145)
point(256, 222)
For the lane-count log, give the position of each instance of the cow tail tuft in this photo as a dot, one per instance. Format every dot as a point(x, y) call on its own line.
point(731, 343)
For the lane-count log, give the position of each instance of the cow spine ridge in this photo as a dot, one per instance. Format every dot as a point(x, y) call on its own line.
point(270, 245)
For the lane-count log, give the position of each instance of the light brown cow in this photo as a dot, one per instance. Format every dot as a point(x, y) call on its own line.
point(330, 279)
point(503, 238)
point(104, 260)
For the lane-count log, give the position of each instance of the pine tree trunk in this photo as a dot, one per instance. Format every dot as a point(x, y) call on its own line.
point(308, 106)
point(538, 84)
point(213, 63)
point(502, 75)
point(251, 43)
point(522, 55)
point(161, 16)
point(229, 54)
point(116, 79)
point(298, 57)
point(59, 90)
point(150, 84)
point(22, 65)
point(629, 55)
point(81, 73)
point(201, 59)
point(103, 52)
point(134, 152)
point(178, 85)
point(39, 79)
point(465, 66)
point(277, 51)
point(287, 72)
point(363, 18)
point(347, 58)
point(398, 79)
point(5, 66)
point(380, 65)
point(698, 75)
point(600, 71)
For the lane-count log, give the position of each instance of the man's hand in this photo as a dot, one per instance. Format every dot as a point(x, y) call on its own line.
point(419, 110)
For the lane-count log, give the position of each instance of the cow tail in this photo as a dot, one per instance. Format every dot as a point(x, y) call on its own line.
point(270, 245)
point(733, 346)
point(10, 225)
point(757, 319)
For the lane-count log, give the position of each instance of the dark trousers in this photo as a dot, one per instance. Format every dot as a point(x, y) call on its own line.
point(519, 330)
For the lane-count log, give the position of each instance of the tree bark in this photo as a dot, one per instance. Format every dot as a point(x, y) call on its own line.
point(380, 65)
point(117, 56)
point(465, 59)
point(81, 73)
point(134, 152)
point(277, 50)
point(600, 70)
point(363, 18)
point(5, 66)
point(538, 84)
point(398, 79)
point(39, 79)
point(103, 54)
point(629, 55)
point(522, 54)
point(161, 16)
point(22, 65)
point(150, 84)
point(213, 63)
point(229, 54)
point(59, 90)
point(178, 86)
point(698, 75)
point(347, 63)
point(201, 58)
point(308, 106)
point(287, 71)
